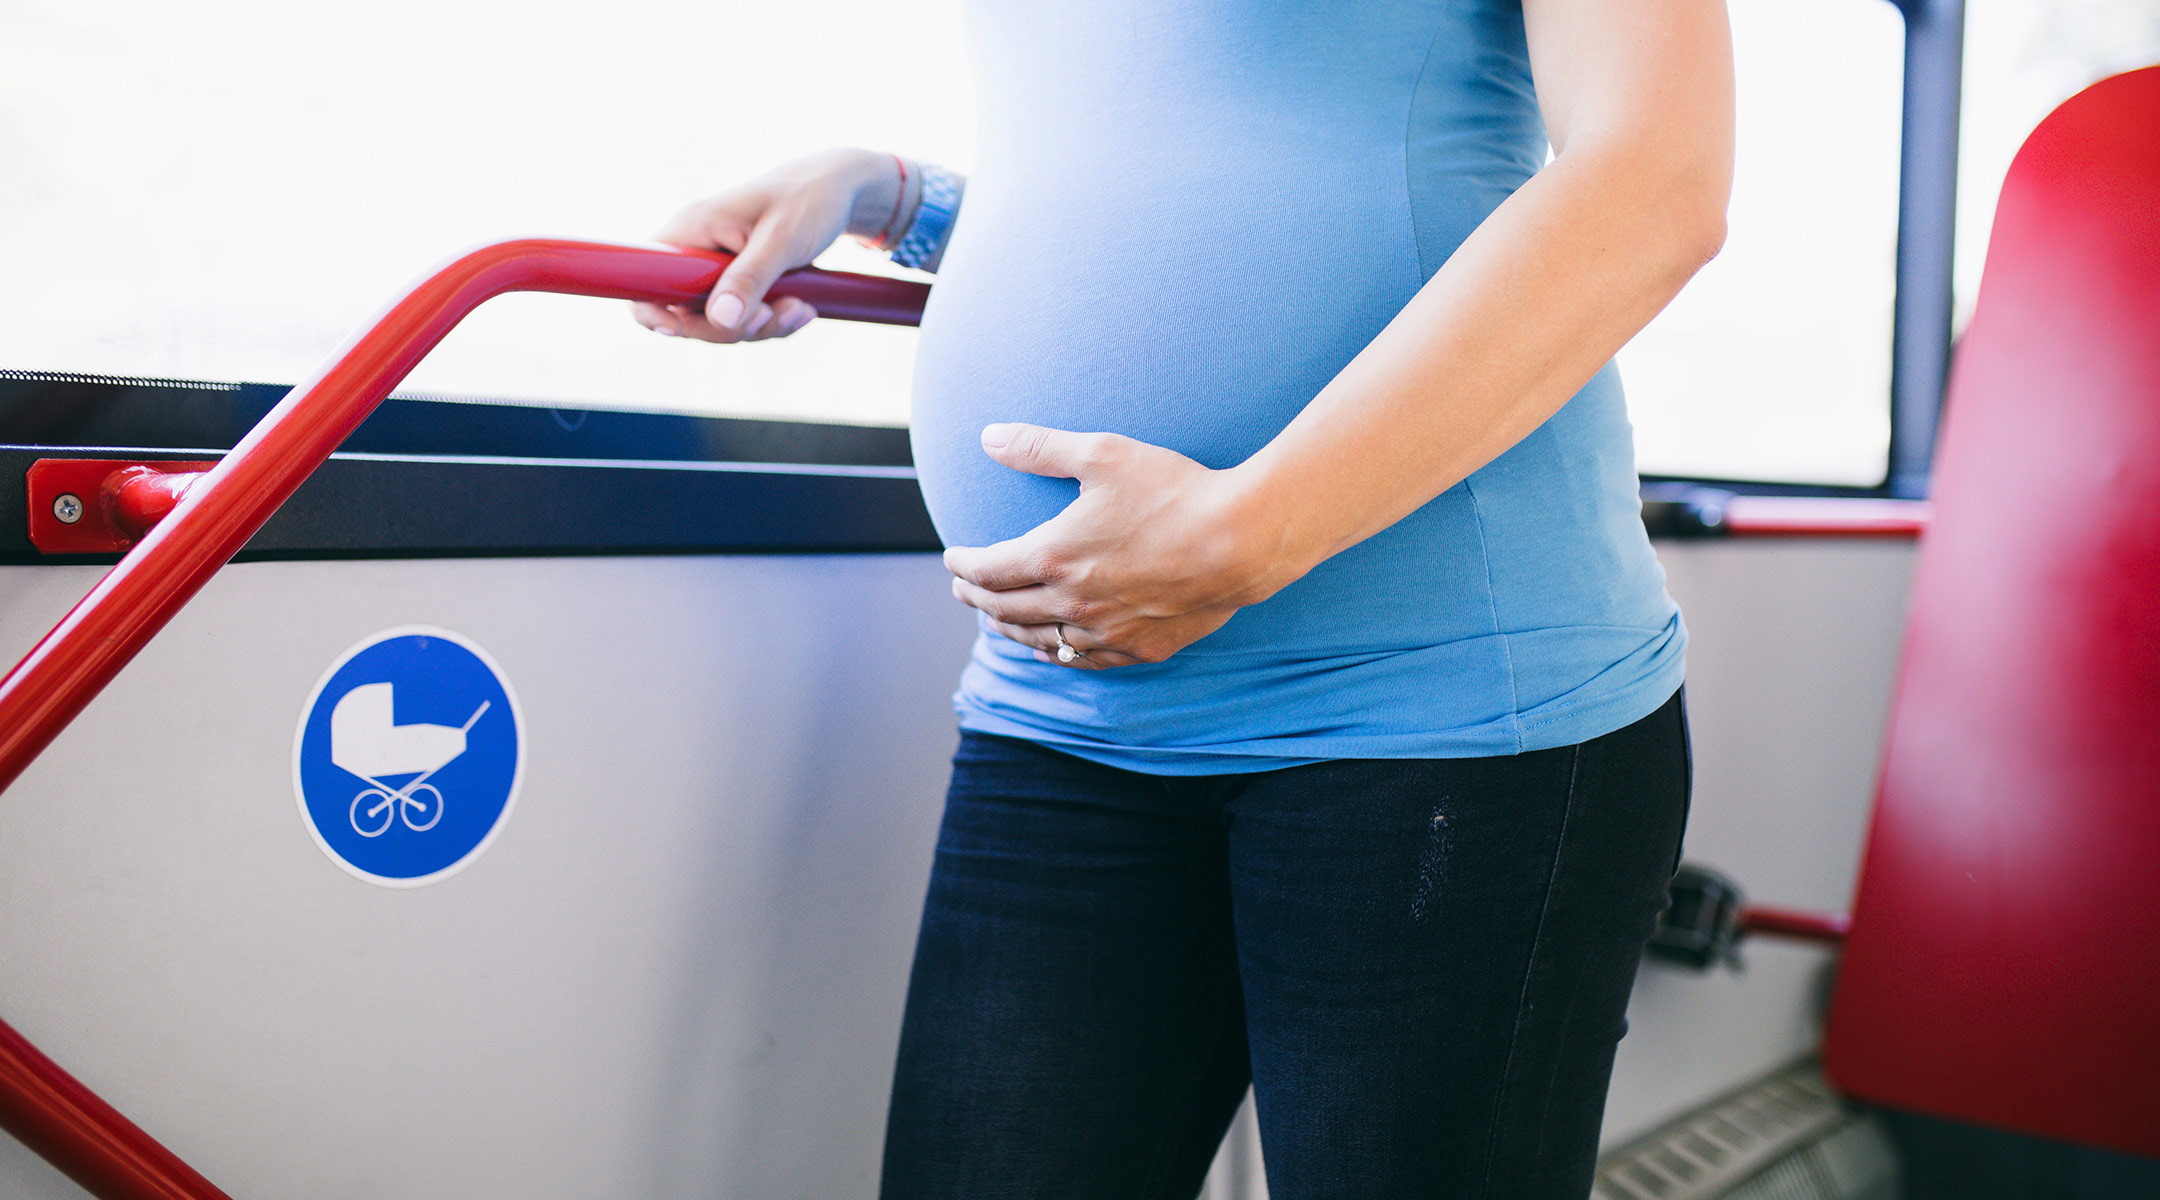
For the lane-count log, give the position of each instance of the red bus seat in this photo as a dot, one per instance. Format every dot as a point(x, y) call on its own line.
point(2004, 961)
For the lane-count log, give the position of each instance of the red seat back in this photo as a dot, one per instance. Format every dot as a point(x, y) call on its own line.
point(2004, 963)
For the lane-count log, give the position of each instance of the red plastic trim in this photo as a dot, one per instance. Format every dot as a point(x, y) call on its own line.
point(40, 1104)
point(1829, 928)
point(1813, 516)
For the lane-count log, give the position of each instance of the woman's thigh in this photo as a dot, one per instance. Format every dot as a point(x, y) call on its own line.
point(1073, 1027)
point(1436, 958)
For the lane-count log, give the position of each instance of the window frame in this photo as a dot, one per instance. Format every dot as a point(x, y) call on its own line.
point(1921, 314)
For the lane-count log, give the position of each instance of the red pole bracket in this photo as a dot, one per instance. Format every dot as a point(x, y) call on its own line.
point(102, 505)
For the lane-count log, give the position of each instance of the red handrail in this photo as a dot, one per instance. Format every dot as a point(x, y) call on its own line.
point(1828, 928)
point(218, 515)
point(40, 1104)
point(83, 1137)
point(1812, 516)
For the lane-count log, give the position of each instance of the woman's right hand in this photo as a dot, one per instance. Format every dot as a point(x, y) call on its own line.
point(772, 224)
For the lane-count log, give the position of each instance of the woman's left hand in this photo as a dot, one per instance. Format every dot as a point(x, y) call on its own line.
point(1157, 552)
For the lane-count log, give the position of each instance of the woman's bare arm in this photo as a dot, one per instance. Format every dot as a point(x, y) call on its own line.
point(1158, 551)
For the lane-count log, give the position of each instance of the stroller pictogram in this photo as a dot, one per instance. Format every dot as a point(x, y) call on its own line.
point(366, 740)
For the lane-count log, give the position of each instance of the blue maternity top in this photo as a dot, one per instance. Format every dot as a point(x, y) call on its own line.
point(1186, 217)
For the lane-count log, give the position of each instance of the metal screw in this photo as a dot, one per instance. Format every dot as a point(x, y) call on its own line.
point(68, 507)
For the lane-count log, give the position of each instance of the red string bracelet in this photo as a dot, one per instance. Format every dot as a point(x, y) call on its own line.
point(899, 200)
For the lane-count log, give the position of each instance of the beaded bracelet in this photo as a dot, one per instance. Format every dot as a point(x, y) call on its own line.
point(922, 244)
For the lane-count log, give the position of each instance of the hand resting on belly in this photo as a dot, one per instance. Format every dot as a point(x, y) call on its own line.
point(1155, 554)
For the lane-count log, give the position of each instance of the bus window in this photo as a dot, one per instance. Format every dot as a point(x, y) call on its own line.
point(226, 191)
point(223, 192)
point(1774, 363)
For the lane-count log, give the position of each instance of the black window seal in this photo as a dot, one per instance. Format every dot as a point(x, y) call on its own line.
point(427, 478)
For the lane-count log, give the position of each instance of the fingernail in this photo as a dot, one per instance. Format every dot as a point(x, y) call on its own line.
point(664, 330)
point(995, 436)
point(727, 308)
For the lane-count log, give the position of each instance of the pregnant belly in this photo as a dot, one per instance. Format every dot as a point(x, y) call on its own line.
point(1197, 360)
point(1214, 378)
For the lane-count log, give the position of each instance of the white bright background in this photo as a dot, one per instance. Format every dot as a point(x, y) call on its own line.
point(224, 190)
point(1775, 362)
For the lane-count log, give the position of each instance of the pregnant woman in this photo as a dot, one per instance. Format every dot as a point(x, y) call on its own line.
point(1324, 733)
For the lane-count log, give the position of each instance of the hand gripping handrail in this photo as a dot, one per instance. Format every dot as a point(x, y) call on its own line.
point(40, 1104)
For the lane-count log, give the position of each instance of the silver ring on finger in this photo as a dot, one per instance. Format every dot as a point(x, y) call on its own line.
point(1065, 651)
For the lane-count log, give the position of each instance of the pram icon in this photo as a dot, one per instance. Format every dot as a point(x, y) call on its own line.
point(366, 740)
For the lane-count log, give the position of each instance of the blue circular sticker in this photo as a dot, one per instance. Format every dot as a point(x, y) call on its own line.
point(408, 756)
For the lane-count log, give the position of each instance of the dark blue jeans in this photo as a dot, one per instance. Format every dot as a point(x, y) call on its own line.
point(1421, 966)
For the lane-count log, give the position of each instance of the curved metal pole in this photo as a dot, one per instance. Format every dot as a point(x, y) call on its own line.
point(85, 1138)
point(41, 1105)
point(223, 510)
